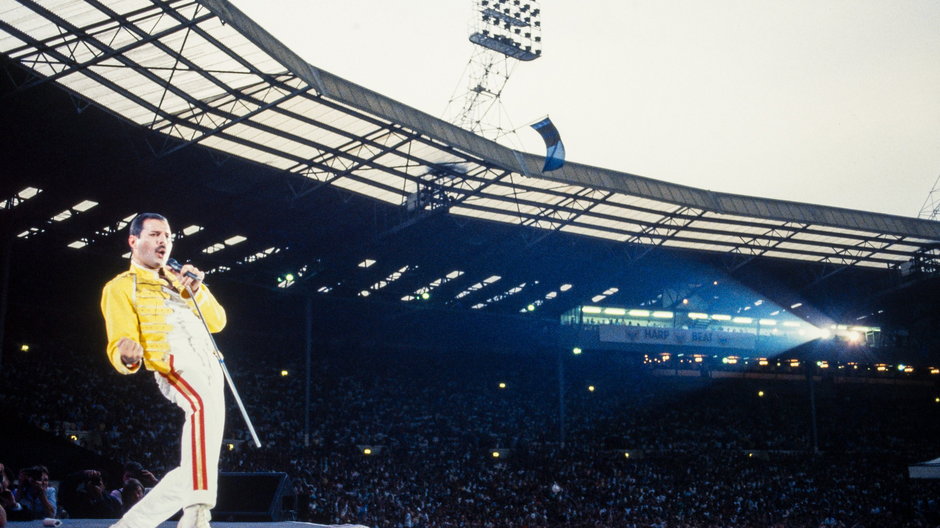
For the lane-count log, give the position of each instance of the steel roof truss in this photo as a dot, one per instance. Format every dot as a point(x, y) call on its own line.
point(277, 118)
point(98, 55)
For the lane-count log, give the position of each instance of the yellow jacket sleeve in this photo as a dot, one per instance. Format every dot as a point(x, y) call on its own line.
point(120, 318)
point(211, 310)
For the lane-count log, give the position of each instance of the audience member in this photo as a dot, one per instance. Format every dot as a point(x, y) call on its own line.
point(84, 497)
point(705, 452)
point(7, 501)
point(36, 498)
point(131, 494)
point(134, 471)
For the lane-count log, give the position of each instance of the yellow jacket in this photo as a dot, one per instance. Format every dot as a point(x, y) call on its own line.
point(134, 306)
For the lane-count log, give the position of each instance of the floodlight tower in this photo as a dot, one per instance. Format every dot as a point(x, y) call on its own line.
point(503, 32)
point(931, 208)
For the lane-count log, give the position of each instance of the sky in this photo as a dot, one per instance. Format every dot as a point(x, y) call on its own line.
point(832, 102)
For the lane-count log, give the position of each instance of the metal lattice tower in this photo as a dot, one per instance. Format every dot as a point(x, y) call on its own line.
point(931, 208)
point(504, 31)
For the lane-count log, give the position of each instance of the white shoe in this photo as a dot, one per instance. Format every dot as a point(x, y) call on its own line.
point(202, 516)
point(195, 516)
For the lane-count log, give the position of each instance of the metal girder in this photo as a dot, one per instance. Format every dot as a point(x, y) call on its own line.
point(345, 136)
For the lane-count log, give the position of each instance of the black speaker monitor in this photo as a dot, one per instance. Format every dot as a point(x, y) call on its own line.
point(250, 497)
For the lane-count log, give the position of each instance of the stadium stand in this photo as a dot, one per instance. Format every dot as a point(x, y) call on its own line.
point(702, 451)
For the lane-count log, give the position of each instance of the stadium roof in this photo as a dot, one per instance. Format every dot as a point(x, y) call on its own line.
point(202, 73)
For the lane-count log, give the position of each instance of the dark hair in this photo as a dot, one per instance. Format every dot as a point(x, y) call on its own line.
point(133, 483)
point(127, 492)
point(35, 472)
point(137, 224)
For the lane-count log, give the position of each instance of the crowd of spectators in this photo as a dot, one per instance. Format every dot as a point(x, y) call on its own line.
point(583, 441)
point(31, 498)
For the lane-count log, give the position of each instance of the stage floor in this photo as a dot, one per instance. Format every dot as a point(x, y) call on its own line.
point(105, 523)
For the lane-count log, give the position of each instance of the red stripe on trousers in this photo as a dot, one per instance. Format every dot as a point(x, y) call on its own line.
point(198, 447)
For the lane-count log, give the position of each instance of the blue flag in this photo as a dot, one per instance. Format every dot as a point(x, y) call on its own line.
point(554, 148)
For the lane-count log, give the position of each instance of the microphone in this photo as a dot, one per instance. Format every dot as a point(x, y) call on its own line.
point(176, 266)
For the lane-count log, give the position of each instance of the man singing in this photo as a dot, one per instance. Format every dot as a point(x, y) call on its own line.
point(152, 322)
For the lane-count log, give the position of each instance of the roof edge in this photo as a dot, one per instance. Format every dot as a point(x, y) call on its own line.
point(356, 96)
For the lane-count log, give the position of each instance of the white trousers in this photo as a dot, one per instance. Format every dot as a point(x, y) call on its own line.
point(195, 384)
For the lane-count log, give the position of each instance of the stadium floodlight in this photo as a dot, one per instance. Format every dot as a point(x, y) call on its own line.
point(424, 293)
point(28, 193)
point(263, 254)
point(514, 31)
point(80, 207)
point(84, 205)
point(502, 33)
point(576, 351)
point(285, 281)
point(478, 286)
point(218, 246)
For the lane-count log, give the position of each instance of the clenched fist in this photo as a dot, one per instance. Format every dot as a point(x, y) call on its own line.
point(130, 350)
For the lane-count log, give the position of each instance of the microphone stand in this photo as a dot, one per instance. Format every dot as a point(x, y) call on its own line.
point(228, 377)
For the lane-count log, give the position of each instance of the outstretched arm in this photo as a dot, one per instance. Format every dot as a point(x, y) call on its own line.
point(120, 318)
